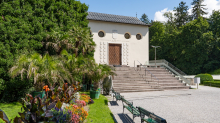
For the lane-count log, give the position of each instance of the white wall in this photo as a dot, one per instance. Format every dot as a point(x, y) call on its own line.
point(132, 49)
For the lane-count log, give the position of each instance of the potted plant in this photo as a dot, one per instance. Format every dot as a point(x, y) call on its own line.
point(99, 72)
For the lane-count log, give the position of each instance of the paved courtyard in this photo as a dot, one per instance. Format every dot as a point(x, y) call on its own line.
point(176, 106)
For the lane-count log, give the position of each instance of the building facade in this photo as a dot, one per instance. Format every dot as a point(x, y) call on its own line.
point(120, 40)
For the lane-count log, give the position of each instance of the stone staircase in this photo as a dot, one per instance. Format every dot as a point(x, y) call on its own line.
point(130, 80)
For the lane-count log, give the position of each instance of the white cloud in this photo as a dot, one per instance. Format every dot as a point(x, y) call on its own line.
point(210, 5)
point(159, 15)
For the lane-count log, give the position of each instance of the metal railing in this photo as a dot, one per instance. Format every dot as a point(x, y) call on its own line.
point(171, 68)
point(152, 62)
point(144, 76)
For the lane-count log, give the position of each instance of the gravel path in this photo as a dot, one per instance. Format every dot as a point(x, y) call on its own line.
point(176, 106)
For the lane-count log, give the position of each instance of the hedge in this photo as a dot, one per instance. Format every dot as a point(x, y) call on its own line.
point(205, 77)
point(212, 83)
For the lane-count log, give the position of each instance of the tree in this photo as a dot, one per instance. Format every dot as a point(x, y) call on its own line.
point(198, 9)
point(181, 14)
point(144, 18)
point(214, 62)
point(41, 68)
point(215, 23)
point(170, 24)
point(24, 24)
point(193, 46)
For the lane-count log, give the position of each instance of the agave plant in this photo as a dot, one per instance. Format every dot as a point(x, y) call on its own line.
point(41, 68)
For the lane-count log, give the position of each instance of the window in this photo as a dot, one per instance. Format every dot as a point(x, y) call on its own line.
point(101, 34)
point(127, 36)
point(138, 36)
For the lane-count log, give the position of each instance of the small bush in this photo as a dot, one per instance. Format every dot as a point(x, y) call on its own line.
point(15, 89)
point(212, 83)
point(205, 77)
point(107, 83)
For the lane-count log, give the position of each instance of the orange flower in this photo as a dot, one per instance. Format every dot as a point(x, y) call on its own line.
point(74, 89)
point(47, 89)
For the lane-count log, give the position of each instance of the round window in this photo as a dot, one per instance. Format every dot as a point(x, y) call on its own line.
point(127, 35)
point(138, 36)
point(101, 34)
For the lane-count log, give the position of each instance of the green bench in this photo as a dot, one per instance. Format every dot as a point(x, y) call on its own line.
point(116, 95)
point(129, 106)
point(152, 118)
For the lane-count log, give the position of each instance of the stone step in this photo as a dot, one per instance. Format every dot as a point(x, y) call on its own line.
point(136, 90)
point(142, 69)
point(171, 84)
point(130, 74)
point(131, 79)
point(175, 87)
point(136, 80)
point(135, 85)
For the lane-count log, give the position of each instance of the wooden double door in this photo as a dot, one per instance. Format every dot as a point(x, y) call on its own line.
point(114, 54)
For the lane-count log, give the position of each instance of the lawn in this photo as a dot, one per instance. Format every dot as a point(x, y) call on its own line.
point(99, 111)
point(10, 109)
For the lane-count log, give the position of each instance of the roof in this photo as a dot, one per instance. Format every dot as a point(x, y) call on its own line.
point(114, 18)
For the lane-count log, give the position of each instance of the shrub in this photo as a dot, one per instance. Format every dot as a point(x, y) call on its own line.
point(1, 87)
point(212, 83)
point(205, 77)
point(107, 83)
point(15, 89)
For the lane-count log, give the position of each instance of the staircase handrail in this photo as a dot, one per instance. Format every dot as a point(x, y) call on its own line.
point(149, 72)
point(175, 72)
point(169, 64)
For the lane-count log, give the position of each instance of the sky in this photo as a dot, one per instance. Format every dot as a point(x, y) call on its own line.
point(154, 9)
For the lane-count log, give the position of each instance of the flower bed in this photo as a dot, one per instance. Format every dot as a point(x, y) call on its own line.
point(60, 105)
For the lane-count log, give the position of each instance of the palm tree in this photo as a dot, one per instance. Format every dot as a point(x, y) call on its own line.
point(58, 42)
point(41, 68)
point(75, 65)
point(76, 39)
point(99, 72)
point(82, 39)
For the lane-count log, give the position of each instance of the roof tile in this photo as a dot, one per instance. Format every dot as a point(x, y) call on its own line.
point(114, 18)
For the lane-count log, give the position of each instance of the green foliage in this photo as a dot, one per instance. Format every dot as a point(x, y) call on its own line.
point(99, 112)
point(215, 72)
point(11, 110)
point(107, 83)
point(15, 89)
point(193, 46)
point(144, 18)
point(41, 68)
point(205, 77)
point(212, 83)
point(189, 47)
point(25, 24)
point(181, 14)
point(215, 23)
point(198, 9)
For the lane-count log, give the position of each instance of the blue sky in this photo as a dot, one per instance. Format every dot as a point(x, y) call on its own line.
point(153, 8)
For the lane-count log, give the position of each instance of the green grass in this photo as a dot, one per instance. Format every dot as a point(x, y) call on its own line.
point(215, 72)
point(99, 111)
point(10, 109)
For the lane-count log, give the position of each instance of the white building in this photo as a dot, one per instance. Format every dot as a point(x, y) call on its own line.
point(120, 40)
